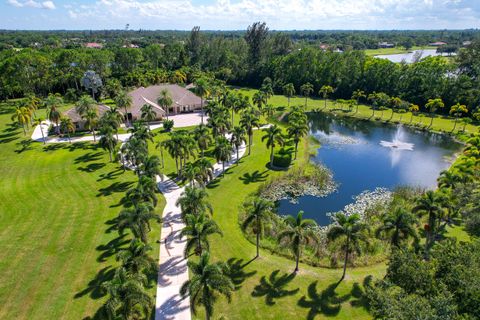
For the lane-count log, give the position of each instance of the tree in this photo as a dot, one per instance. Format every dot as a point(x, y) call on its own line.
point(306, 89)
point(84, 105)
point(395, 102)
point(194, 201)
point(297, 129)
point(107, 140)
point(237, 139)
point(203, 90)
point(123, 100)
point(135, 259)
point(165, 101)
point(92, 81)
point(38, 122)
point(148, 115)
point(248, 121)
point(137, 219)
point(260, 99)
point(53, 103)
point(22, 115)
point(204, 171)
point(457, 111)
point(325, 91)
point(208, 280)
point(357, 95)
point(222, 151)
point(113, 118)
point(256, 37)
point(151, 167)
point(257, 214)
point(197, 229)
point(348, 228)
point(289, 91)
point(194, 45)
point(432, 105)
point(67, 126)
point(273, 136)
point(397, 226)
point(203, 137)
point(299, 232)
point(267, 88)
point(127, 296)
point(91, 121)
point(413, 108)
point(466, 121)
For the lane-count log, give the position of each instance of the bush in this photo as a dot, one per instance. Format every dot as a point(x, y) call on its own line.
point(282, 158)
point(167, 125)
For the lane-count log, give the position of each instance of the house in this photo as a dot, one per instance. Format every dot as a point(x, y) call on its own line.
point(437, 44)
point(183, 100)
point(466, 43)
point(94, 45)
point(385, 45)
point(78, 121)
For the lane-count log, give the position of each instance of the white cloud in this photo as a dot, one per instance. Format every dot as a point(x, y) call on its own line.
point(32, 4)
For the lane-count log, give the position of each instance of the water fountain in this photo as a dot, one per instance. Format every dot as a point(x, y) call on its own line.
point(397, 143)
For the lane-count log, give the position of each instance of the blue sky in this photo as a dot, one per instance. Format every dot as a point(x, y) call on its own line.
point(238, 14)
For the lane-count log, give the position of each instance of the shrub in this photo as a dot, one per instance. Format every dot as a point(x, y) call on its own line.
point(167, 125)
point(282, 158)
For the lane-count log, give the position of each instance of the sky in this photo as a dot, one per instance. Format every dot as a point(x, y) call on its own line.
point(238, 14)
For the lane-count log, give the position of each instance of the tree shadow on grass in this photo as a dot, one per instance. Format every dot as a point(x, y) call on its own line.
point(253, 177)
point(94, 287)
point(273, 288)
point(358, 292)
point(80, 146)
point(114, 188)
point(111, 175)
point(52, 147)
point(236, 272)
point(8, 137)
point(88, 157)
point(111, 248)
point(92, 167)
point(24, 145)
point(327, 302)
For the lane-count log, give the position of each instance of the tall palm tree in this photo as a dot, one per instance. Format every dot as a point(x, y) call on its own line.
point(357, 95)
point(194, 201)
point(67, 126)
point(299, 232)
point(38, 122)
point(432, 106)
point(219, 122)
point(259, 99)
point(22, 115)
point(32, 103)
point(237, 139)
point(91, 121)
point(289, 91)
point(325, 91)
point(273, 136)
point(222, 151)
point(204, 171)
point(458, 110)
point(135, 258)
point(397, 226)
point(113, 117)
point(190, 173)
point(306, 89)
point(248, 121)
point(137, 219)
point(203, 137)
point(127, 296)
point(147, 114)
point(151, 167)
point(174, 149)
point(143, 192)
point(107, 140)
point(165, 101)
point(203, 90)
point(351, 230)
point(123, 100)
point(84, 105)
point(53, 103)
point(208, 280)
point(296, 131)
point(257, 215)
point(197, 229)
point(430, 203)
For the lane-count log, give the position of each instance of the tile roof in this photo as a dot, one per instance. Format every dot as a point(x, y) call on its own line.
point(73, 114)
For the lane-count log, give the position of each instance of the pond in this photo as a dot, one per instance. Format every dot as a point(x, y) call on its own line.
point(364, 155)
point(410, 57)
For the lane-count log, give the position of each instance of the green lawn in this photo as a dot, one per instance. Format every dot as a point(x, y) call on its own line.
point(376, 52)
point(57, 206)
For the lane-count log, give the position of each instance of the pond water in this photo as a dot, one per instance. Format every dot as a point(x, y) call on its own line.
point(363, 155)
point(410, 57)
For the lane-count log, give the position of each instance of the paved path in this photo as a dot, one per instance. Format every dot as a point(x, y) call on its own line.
point(37, 132)
point(173, 271)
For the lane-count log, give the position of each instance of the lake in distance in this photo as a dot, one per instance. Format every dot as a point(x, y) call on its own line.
point(409, 57)
point(352, 150)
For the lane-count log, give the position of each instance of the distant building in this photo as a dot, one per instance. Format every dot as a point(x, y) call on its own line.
point(133, 46)
point(437, 44)
point(78, 121)
point(385, 45)
point(324, 47)
point(183, 100)
point(94, 45)
point(466, 43)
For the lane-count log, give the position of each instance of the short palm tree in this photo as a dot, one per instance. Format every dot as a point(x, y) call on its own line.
point(38, 122)
point(123, 100)
point(84, 105)
point(351, 230)
point(432, 106)
point(53, 103)
point(259, 99)
point(289, 91)
point(190, 173)
point(257, 214)
point(148, 114)
point(67, 126)
point(296, 131)
point(457, 111)
point(136, 258)
point(298, 233)
point(107, 140)
point(222, 151)
point(238, 139)
point(357, 95)
point(151, 167)
point(273, 136)
point(204, 171)
point(397, 226)
point(306, 89)
point(203, 138)
point(137, 219)
point(165, 101)
point(413, 108)
point(248, 121)
point(197, 229)
point(194, 201)
point(325, 91)
point(22, 115)
point(91, 121)
point(113, 118)
point(208, 280)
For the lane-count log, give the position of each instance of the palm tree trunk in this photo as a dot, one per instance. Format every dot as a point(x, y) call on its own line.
point(271, 157)
point(43, 136)
point(110, 155)
point(411, 118)
point(238, 157)
point(297, 259)
point(296, 149)
point(223, 168)
point(391, 117)
point(346, 259)
point(288, 102)
point(94, 137)
point(325, 98)
point(454, 124)
point(431, 122)
point(201, 106)
point(176, 165)
point(258, 237)
point(249, 144)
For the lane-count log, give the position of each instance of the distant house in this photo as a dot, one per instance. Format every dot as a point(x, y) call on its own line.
point(94, 45)
point(78, 121)
point(466, 43)
point(385, 45)
point(183, 100)
point(324, 47)
point(133, 46)
point(437, 44)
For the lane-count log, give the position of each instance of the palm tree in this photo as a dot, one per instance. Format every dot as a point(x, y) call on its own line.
point(32, 104)
point(143, 192)
point(350, 228)
point(197, 229)
point(194, 201)
point(91, 121)
point(165, 101)
point(395, 102)
point(449, 179)
point(458, 110)
point(107, 140)
point(325, 91)
point(123, 100)
point(113, 118)
point(397, 226)
point(219, 122)
point(413, 108)
point(207, 280)
point(260, 99)
point(203, 91)
point(135, 258)
point(137, 219)
point(53, 102)
point(299, 232)
point(67, 126)
point(203, 137)
point(38, 122)
point(151, 167)
point(357, 95)
point(128, 298)
point(289, 91)
point(84, 105)
point(190, 173)
point(432, 204)
point(204, 171)
point(174, 149)
point(238, 139)
point(432, 105)
point(257, 215)
point(222, 151)
point(147, 114)
point(466, 121)
point(306, 89)
point(22, 115)
point(297, 130)
point(273, 135)
point(248, 121)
